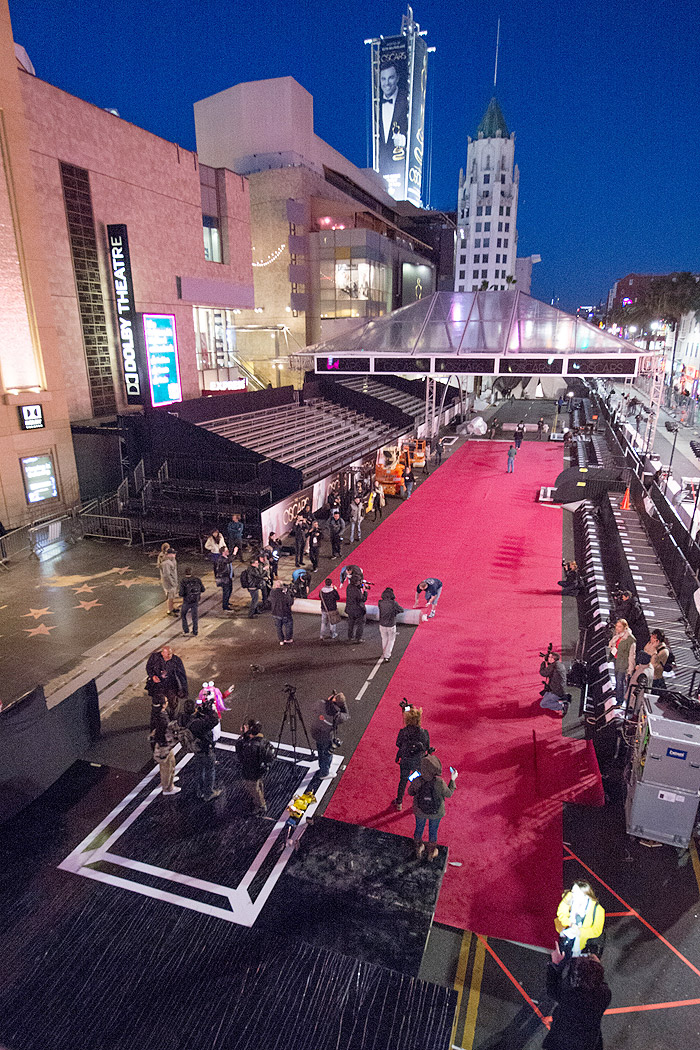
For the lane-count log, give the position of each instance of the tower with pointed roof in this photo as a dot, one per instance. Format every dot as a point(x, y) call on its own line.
point(487, 208)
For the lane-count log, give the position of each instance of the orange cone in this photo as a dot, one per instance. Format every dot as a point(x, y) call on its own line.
point(625, 505)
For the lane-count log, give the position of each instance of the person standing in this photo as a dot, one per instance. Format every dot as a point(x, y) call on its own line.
point(429, 792)
point(412, 745)
point(251, 579)
point(299, 533)
point(166, 679)
point(439, 449)
point(281, 602)
point(389, 609)
point(234, 537)
point(314, 545)
point(223, 574)
point(409, 480)
point(330, 713)
point(356, 515)
point(540, 428)
point(191, 589)
point(335, 531)
point(432, 588)
point(582, 996)
point(355, 608)
point(519, 434)
point(201, 726)
point(215, 545)
point(580, 919)
point(555, 696)
point(330, 617)
point(623, 650)
point(511, 460)
point(164, 744)
point(256, 755)
point(275, 547)
point(167, 566)
point(378, 499)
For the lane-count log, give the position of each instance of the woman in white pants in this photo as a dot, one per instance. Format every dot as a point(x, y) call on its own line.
point(389, 609)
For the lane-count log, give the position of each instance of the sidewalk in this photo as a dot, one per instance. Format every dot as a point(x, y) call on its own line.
point(684, 462)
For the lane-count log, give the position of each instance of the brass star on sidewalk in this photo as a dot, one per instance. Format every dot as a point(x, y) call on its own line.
point(87, 605)
point(126, 583)
point(41, 629)
point(85, 589)
point(37, 613)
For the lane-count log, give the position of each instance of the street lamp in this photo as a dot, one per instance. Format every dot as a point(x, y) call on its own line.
point(672, 428)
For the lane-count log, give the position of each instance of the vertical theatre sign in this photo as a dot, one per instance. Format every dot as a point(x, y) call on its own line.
point(399, 78)
point(126, 315)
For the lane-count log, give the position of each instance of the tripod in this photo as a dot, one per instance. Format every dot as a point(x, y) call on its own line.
point(292, 715)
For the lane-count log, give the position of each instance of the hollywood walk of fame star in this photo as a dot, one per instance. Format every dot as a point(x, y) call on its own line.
point(87, 605)
point(126, 568)
point(41, 629)
point(37, 613)
point(127, 583)
point(85, 589)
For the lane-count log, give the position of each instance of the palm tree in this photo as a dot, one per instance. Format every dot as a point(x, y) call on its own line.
point(667, 298)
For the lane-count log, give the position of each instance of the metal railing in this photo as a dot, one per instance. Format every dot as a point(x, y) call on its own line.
point(106, 527)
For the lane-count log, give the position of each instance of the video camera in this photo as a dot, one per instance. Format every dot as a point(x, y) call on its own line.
point(550, 648)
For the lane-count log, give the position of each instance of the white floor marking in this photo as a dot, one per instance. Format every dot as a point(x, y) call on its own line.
point(369, 678)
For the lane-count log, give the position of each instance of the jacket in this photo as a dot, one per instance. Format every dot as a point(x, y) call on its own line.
point(234, 534)
point(430, 769)
point(281, 602)
point(255, 754)
point(408, 742)
point(168, 572)
point(389, 608)
point(215, 546)
point(659, 657)
point(576, 1017)
point(326, 722)
point(592, 922)
point(171, 673)
point(329, 599)
point(626, 656)
point(554, 675)
point(336, 525)
point(193, 586)
point(355, 600)
point(255, 578)
point(201, 727)
point(378, 493)
point(356, 512)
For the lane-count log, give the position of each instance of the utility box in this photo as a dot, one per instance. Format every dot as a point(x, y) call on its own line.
point(663, 814)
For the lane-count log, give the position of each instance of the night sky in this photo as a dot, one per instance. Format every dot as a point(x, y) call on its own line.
point(603, 97)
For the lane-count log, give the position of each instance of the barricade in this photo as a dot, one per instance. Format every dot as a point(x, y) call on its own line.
point(106, 527)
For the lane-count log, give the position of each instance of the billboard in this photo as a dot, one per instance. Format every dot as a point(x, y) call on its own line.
point(160, 341)
point(39, 476)
point(399, 78)
point(416, 283)
point(122, 281)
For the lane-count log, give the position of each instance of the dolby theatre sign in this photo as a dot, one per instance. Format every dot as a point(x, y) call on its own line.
point(126, 314)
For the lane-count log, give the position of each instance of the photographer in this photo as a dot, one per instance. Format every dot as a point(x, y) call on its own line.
point(429, 792)
point(166, 678)
point(572, 582)
point(281, 602)
point(256, 755)
point(330, 713)
point(201, 726)
point(554, 698)
point(412, 744)
point(355, 608)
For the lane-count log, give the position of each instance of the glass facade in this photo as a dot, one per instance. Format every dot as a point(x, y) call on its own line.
point(215, 336)
point(211, 214)
point(354, 279)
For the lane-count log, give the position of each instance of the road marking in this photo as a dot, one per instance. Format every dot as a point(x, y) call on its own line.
point(369, 678)
point(459, 979)
point(515, 982)
point(469, 1033)
point(695, 860)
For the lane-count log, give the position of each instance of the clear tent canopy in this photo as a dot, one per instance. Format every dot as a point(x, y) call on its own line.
point(466, 323)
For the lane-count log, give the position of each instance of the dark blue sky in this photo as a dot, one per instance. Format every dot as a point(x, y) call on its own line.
point(603, 97)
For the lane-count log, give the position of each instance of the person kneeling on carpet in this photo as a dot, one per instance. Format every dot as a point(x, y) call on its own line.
point(429, 792)
point(555, 697)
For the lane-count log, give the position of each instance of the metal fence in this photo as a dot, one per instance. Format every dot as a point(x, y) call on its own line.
point(106, 527)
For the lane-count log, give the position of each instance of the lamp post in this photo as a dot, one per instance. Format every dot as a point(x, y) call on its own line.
point(672, 428)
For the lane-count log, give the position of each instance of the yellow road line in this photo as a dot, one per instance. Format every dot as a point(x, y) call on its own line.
point(459, 977)
point(474, 996)
point(696, 861)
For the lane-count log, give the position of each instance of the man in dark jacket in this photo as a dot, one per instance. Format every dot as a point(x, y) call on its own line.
point(191, 589)
point(330, 714)
point(554, 698)
point(314, 536)
point(329, 610)
point(336, 526)
point(223, 574)
point(299, 533)
point(355, 608)
point(252, 580)
point(281, 602)
point(201, 726)
point(234, 537)
point(256, 755)
point(582, 998)
point(167, 678)
point(389, 609)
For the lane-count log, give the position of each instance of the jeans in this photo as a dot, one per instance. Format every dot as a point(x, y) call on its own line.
point(254, 593)
point(327, 627)
point(552, 702)
point(511, 464)
point(336, 540)
point(433, 602)
point(353, 526)
point(324, 758)
point(356, 625)
point(254, 788)
point(405, 770)
point(299, 553)
point(191, 607)
point(313, 554)
point(377, 510)
point(621, 683)
point(285, 627)
point(226, 588)
point(433, 825)
point(388, 638)
point(167, 770)
point(409, 488)
point(205, 766)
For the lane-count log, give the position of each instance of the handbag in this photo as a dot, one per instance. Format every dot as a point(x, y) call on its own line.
point(334, 616)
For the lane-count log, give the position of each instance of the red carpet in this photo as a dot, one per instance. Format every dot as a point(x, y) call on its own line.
point(474, 669)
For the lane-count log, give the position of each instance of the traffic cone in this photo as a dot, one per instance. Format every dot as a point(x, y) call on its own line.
point(625, 505)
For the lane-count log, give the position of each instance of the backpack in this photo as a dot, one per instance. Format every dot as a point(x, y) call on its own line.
point(191, 589)
point(221, 569)
point(671, 661)
point(185, 738)
point(411, 749)
point(267, 757)
point(427, 797)
point(245, 579)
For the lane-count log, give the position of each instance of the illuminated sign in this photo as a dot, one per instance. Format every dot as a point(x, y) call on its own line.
point(31, 417)
point(122, 281)
point(39, 478)
point(601, 366)
point(342, 364)
point(530, 366)
point(160, 341)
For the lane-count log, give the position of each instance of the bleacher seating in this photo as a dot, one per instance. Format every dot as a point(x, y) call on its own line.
point(407, 402)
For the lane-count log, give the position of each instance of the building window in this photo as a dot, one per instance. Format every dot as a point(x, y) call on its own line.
point(475, 275)
point(466, 213)
point(487, 227)
point(91, 309)
point(500, 226)
point(486, 194)
point(461, 288)
point(498, 242)
point(486, 241)
point(487, 179)
point(476, 258)
point(461, 275)
point(507, 211)
point(211, 213)
point(477, 242)
point(505, 258)
point(505, 242)
point(498, 258)
point(503, 180)
point(484, 258)
point(212, 238)
point(475, 288)
point(479, 210)
point(500, 210)
point(488, 209)
point(507, 227)
point(484, 273)
point(478, 227)
point(463, 259)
